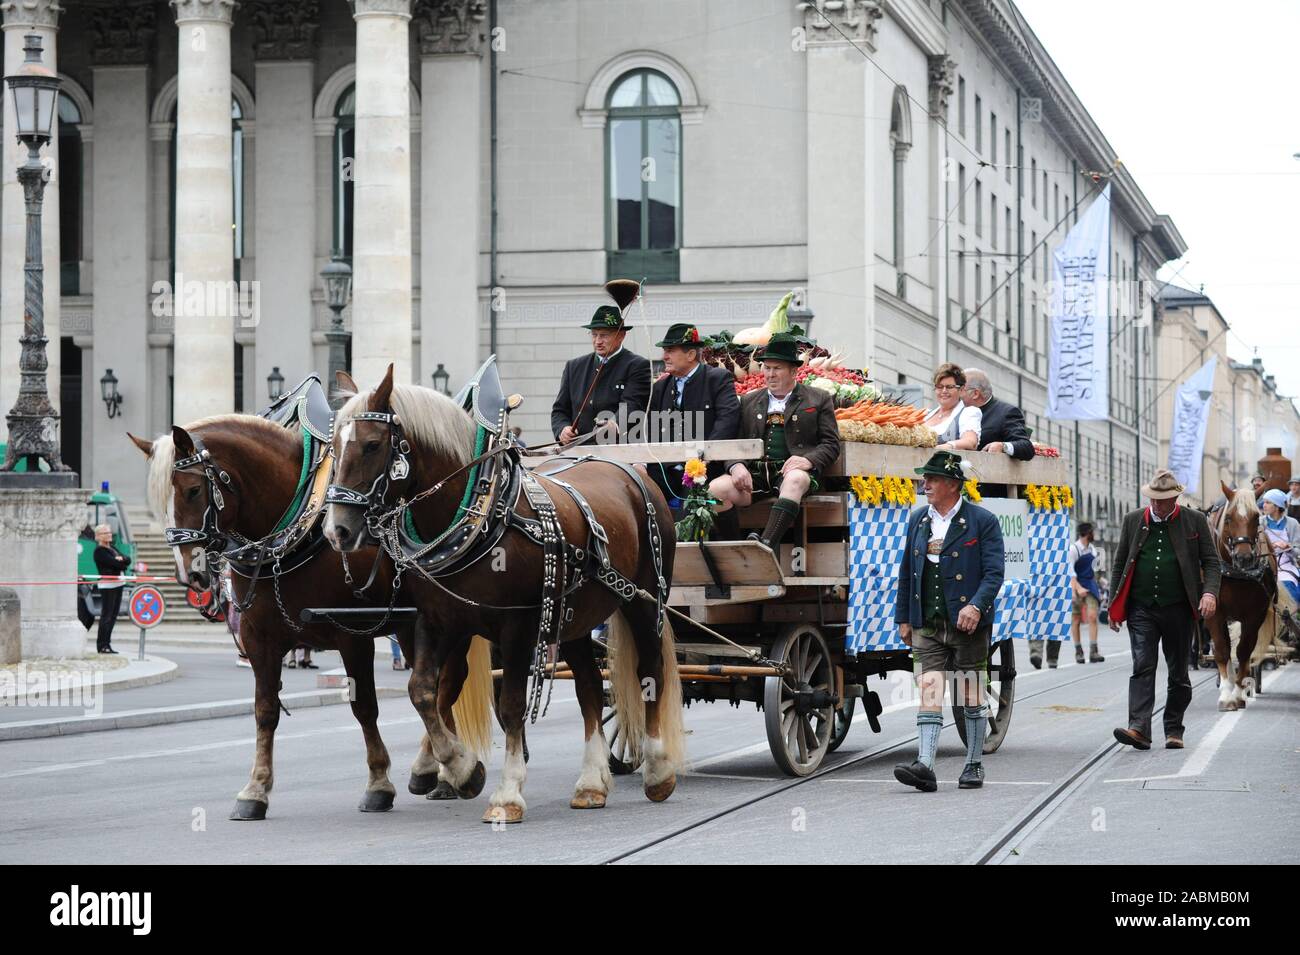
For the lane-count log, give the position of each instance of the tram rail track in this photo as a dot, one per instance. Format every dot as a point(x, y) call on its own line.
point(861, 759)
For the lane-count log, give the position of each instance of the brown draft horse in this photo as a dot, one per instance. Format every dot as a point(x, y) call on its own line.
point(441, 438)
point(263, 463)
point(1245, 595)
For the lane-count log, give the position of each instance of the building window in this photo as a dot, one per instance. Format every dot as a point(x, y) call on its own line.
point(900, 141)
point(993, 137)
point(345, 141)
point(979, 125)
point(1056, 201)
point(961, 106)
point(644, 146)
point(1033, 183)
point(70, 198)
point(1007, 231)
point(979, 294)
point(979, 208)
point(993, 220)
point(1006, 150)
point(1033, 259)
point(961, 193)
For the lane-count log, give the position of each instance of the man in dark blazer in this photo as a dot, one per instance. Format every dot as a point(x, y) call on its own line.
point(800, 435)
point(1002, 424)
point(948, 579)
point(1170, 576)
point(691, 402)
point(605, 386)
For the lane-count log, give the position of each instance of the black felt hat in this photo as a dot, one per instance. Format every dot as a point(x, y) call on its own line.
point(782, 347)
point(682, 333)
point(943, 464)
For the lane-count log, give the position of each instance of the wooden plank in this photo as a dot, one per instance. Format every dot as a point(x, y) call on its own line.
point(816, 560)
point(695, 597)
point(739, 564)
point(675, 452)
point(819, 510)
point(884, 459)
point(714, 649)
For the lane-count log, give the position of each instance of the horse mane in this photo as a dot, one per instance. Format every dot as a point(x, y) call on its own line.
point(429, 417)
point(1243, 502)
point(163, 457)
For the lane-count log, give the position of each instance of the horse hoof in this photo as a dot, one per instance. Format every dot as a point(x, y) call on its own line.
point(1226, 707)
point(442, 791)
point(587, 799)
point(248, 810)
point(661, 791)
point(474, 785)
point(504, 815)
point(376, 800)
point(421, 784)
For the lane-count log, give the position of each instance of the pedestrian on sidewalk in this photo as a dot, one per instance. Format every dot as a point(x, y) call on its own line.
point(948, 579)
point(110, 564)
point(1170, 577)
point(1085, 589)
point(398, 662)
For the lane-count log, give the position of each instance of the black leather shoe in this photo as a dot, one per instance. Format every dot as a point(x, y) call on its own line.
point(917, 774)
point(1036, 660)
point(972, 777)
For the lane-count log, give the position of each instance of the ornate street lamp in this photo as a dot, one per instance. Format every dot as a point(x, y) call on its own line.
point(441, 379)
point(337, 277)
point(33, 422)
point(108, 391)
point(275, 384)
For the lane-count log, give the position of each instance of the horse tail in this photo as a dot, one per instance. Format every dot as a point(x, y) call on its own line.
point(672, 730)
point(473, 708)
point(625, 684)
point(628, 693)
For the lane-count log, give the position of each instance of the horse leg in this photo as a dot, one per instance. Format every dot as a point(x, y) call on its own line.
point(595, 781)
point(1222, 654)
point(450, 682)
point(656, 668)
point(424, 772)
point(1245, 649)
point(507, 803)
point(465, 774)
point(266, 657)
point(359, 662)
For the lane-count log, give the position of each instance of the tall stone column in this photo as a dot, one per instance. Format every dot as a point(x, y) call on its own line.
point(120, 244)
point(842, 144)
point(381, 227)
point(20, 18)
point(942, 68)
point(451, 40)
point(285, 181)
point(202, 303)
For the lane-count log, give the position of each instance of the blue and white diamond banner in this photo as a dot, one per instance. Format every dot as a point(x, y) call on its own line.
point(1049, 575)
point(876, 539)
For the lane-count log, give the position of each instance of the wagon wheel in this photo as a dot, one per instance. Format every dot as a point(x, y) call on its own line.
point(1001, 699)
point(798, 707)
point(840, 729)
point(621, 763)
point(1257, 671)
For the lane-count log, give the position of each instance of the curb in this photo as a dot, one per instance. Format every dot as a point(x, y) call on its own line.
point(170, 671)
point(159, 716)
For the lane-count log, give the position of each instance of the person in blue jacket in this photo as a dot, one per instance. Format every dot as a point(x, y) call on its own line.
point(951, 568)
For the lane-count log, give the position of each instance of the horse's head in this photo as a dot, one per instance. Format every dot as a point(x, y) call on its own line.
point(389, 444)
point(1239, 527)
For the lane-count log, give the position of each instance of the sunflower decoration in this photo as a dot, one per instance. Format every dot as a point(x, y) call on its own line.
point(972, 491)
point(873, 490)
point(697, 511)
point(1049, 497)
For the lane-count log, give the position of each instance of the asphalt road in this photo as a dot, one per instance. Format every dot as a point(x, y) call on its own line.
point(162, 794)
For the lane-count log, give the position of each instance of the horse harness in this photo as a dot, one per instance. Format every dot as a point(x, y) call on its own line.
point(1261, 570)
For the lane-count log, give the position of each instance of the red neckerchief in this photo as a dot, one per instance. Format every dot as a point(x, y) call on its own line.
point(1146, 514)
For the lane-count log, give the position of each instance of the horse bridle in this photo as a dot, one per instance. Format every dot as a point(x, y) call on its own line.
point(396, 468)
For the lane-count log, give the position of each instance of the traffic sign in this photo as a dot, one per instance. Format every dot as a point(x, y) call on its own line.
point(147, 607)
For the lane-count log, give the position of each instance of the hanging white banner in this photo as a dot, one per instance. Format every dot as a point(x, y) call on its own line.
point(1191, 416)
point(1078, 365)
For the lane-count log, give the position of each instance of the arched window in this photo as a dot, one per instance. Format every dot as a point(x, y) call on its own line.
point(344, 157)
point(644, 189)
point(237, 182)
point(900, 141)
point(70, 198)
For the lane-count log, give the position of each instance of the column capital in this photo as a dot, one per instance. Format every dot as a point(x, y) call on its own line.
point(450, 26)
point(219, 11)
point(942, 68)
point(31, 13)
point(828, 22)
point(284, 29)
point(387, 8)
point(124, 34)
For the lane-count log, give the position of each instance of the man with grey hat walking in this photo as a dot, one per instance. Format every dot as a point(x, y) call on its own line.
point(1170, 576)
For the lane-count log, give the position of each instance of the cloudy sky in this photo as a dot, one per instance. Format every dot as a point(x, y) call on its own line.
point(1202, 102)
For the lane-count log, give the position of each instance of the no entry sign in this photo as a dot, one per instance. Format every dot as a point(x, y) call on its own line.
point(147, 607)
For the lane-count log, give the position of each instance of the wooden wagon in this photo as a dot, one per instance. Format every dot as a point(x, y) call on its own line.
point(774, 629)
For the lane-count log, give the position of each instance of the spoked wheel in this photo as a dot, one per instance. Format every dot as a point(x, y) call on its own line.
point(799, 707)
point(621, 762)
point(840, 729)
point(1001, 697)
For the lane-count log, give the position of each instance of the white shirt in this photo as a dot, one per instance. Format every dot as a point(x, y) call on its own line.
point(1079, 549)
point(939, 524)
point(968, 419)
point(680, 381)
point(777, 405)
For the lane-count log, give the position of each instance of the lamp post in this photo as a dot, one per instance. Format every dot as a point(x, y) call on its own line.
point(441, 379)
point(33, 422)
point(337, 277)
point(275, 384)
point(108, 391)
